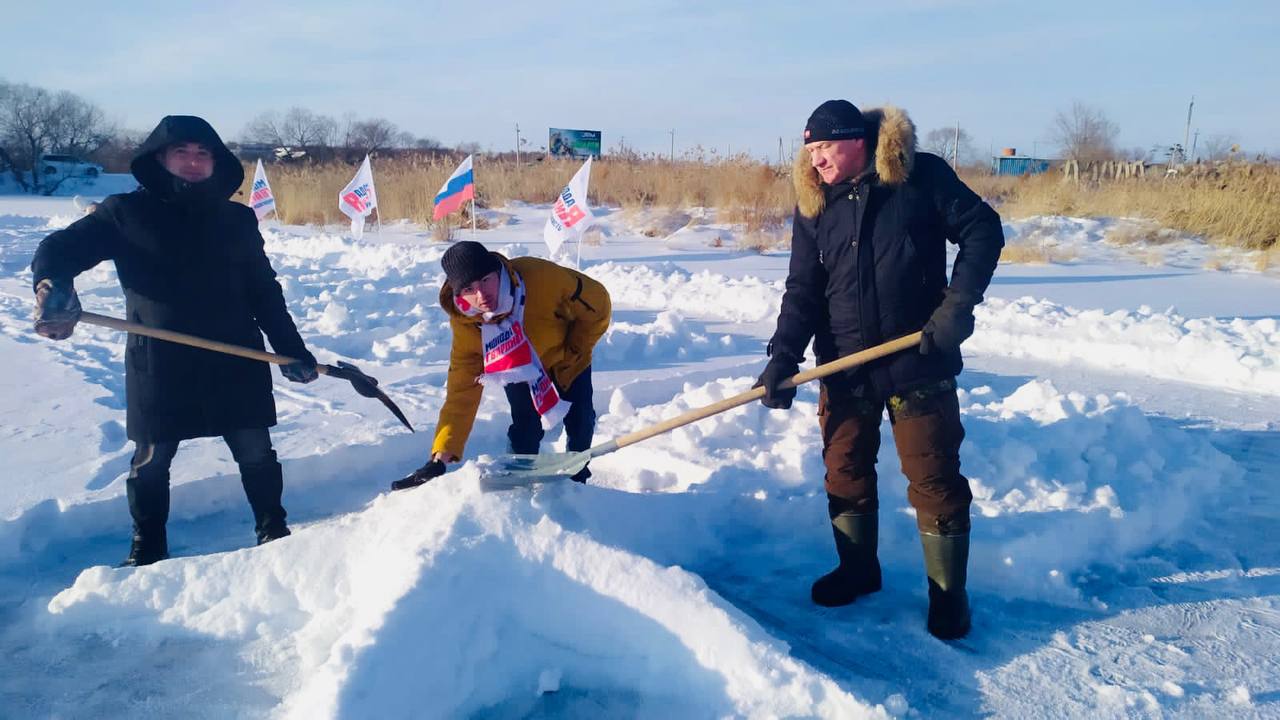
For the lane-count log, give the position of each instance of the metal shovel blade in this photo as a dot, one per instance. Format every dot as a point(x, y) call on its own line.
point(510, 471)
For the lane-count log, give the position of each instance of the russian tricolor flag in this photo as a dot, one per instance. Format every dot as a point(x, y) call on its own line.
point(456, 191)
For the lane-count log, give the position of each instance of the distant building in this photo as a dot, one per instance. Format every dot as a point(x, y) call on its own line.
point(1009, 162)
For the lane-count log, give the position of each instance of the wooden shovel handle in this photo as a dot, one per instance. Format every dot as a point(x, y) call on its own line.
point(821, 371)
point(185, 339)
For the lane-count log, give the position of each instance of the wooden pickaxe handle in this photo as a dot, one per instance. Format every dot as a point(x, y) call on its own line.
point(185, 339)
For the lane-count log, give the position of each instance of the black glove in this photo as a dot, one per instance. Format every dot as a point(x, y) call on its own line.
point(302, 371)
point(950, 325)
point(433, 469)
point(57, 309)
point(781, 367)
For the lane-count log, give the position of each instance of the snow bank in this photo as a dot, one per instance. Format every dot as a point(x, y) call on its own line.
point(1044, 466)
point(666, 286)
point(408, 609)
point(1237, 354)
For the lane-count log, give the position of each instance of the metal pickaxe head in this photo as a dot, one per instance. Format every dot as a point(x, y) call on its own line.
point(366, 385)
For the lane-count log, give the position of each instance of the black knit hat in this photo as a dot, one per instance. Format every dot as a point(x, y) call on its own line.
point(835, 120)
point(467, 262)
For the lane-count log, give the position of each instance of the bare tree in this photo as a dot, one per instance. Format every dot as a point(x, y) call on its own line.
point(34, 121)
point(302, 128)
point(427, 143)
point(265, 129)
point(369, 136)
point(1216, 148)
point(1084, 133)
point(942, 142)
point(77, 126)
point(298, 128)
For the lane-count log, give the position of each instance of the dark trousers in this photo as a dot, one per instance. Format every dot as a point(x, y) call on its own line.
point(260, 473)
point(526, 430)
point(927, 432)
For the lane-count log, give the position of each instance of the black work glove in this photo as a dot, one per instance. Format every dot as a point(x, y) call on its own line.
point(950, 324)
point(781, 367)
point(301, 371)
point(432, 469)
point(57, 309)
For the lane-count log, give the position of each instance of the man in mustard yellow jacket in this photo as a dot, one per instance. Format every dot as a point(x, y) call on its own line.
point(528, 325)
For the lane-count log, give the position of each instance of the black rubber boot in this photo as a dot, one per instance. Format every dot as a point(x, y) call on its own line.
point(148, 547)
point(856, 537)
point(147, 488)
point(264, 486)
point(946, 561)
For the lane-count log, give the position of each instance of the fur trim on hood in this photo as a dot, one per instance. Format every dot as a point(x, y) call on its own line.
point(894, 155)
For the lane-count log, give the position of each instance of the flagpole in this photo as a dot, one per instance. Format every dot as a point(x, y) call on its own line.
point(578, 265)
point(473, 217)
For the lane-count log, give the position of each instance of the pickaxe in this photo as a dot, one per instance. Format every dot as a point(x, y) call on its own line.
point(363, 384)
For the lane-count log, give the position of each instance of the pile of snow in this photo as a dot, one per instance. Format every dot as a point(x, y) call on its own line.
point(409, 608)
point(666, 286)
point(1237, 354)
point(1115, 241)
point(1043, 465)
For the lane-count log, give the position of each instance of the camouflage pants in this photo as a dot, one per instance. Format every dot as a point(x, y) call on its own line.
point(927, 432)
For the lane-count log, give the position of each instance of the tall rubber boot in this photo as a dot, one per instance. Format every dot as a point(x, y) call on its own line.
point(264, 486)
point(946, 561)
point(858, 573)
point(147, 488)
point(149, 546)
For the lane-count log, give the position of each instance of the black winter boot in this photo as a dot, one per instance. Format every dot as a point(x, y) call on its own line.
point(859, 571)
point(148, 547)
point(264, 486)
point(147, 488)
point(946, 561)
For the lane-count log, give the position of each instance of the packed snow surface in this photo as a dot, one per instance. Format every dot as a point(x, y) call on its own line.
point(1121, 444)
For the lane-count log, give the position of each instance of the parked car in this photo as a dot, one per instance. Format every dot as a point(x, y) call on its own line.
point(56, 167)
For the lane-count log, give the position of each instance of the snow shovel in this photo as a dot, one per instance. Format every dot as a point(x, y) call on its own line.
point(517, 470)
point(363, 384)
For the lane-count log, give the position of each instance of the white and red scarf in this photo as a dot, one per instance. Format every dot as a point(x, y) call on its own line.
point(509, 356)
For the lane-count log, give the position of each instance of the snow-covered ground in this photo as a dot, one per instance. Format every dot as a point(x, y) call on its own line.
point(1122, 444)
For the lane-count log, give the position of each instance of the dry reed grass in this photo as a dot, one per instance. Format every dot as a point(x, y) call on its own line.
point(1033, 254)
point(1237, 205)
point(747, 192)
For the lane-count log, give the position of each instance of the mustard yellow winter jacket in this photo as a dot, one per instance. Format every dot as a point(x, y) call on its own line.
point(565, 314)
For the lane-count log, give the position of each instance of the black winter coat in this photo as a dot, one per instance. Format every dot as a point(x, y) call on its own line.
point(869, 261)
point(188, 260)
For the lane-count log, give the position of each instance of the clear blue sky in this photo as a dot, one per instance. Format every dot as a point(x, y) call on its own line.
point(722, 74)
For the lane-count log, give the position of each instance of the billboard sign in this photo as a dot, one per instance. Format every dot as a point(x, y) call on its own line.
point(573, 143)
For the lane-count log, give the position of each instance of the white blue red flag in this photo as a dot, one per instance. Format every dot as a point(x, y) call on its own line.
point(261, 199)
point(358, 199)
point(456, 191)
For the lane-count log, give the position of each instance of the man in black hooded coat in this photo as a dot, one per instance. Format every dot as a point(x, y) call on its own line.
point(190, 260)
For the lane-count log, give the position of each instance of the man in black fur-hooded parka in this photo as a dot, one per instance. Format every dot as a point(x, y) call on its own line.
point(869, 264)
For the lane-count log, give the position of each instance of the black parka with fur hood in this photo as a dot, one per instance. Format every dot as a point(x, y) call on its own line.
point(191, 260)
point(869, 260)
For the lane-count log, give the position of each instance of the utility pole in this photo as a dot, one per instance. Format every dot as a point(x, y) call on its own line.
point(1195, 141)
point(955, 150)
point(517, 145)
point(779, 151)
point(672, 132)
point(1186, 137)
